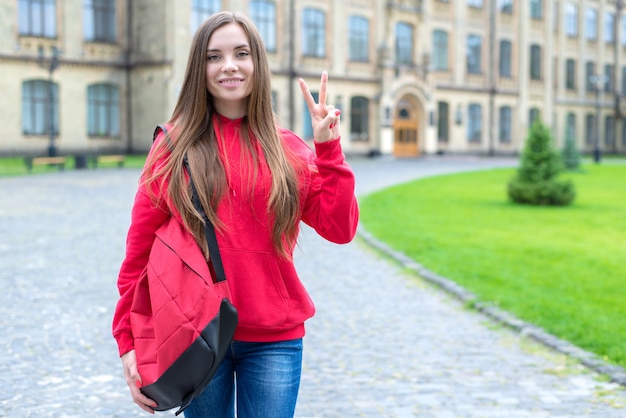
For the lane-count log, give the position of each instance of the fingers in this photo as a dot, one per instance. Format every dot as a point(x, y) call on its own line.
point(328, 128)
point(323, 85)
point(308, 97)
point(324, 118)
point(332, 118)
point(336, 119)
point(134, 382)
point(142, 400)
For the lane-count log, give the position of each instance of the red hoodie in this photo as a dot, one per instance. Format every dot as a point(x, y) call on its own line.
point(270, 299)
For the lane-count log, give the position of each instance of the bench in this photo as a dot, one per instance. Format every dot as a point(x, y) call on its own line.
point(104, 159)
point(59, 162)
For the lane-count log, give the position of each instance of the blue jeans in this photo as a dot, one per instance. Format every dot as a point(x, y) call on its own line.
point(263, 379)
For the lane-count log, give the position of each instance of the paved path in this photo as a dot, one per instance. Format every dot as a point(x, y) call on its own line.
point(383, 343)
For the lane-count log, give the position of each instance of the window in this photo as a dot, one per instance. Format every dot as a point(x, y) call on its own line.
point(40, 107)
point(535, 62)
point(623, 30)
point(263, 14)
point(475, 3)
point(623, 131)
point(474, 123)
point(308, 127)
point(609, 130)
point(571, 20)
point(609, 28)
point(608, 78)
point(570, 74)
point(591, 24)
point(536, 9)
point(201, 9)
point(314, 29)
point(570, 127)
point(624, 80)
point(37, 18)
point(443, 122)
point(590, 70)
point(99, 21)
point(358, 29)
point(533, 116)
point(504, 128)
point(440, 50)
point(359, 119)
point(590, 125)
point(505, 6)
point(103, 110)
point(474, 54)
point(505, 58)
point(404, 43)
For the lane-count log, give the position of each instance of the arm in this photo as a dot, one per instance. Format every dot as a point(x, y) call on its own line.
point(330, 206)
point(145, 220)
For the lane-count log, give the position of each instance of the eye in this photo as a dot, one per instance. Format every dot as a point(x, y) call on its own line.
point(212, 57)
point(242, 54)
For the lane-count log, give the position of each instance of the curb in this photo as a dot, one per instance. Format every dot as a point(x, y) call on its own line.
point(615, 373)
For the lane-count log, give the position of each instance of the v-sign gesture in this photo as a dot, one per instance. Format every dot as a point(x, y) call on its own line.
point(324, 119)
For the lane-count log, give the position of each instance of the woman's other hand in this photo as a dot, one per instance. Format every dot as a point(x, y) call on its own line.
point(129, 362)
point(324, 119)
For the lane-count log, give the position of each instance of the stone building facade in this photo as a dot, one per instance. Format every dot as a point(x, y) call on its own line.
point(412, 77)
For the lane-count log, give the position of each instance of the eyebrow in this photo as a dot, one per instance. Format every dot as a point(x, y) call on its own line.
point(237, 47)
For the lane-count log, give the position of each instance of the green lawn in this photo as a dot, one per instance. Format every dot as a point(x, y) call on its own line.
point(562, 268)
point(15, 166)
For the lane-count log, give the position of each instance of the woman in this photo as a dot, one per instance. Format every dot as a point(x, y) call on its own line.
point(256, 183)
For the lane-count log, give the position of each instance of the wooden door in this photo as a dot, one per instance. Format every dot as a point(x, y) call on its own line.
point(405, 142)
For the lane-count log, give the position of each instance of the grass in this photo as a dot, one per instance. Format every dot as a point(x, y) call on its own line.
point(15, 166)
point(562, 268)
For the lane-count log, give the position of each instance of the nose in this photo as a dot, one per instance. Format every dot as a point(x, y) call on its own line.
point(229, 65)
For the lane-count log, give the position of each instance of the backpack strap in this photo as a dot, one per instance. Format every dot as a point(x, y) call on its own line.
point(209, 230)
point(162, 128)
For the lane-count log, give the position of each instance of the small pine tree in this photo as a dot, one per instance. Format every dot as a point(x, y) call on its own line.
point(571, 155)
point(536, 182)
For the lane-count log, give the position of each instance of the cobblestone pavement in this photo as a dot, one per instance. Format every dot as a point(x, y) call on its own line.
point(383, 343)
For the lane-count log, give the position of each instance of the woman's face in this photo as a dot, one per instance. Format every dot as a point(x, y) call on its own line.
point(229, 70)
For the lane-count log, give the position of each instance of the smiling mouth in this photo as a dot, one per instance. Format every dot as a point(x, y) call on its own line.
point(231, 81)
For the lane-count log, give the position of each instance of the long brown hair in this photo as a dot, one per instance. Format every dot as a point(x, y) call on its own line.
point(193, 135)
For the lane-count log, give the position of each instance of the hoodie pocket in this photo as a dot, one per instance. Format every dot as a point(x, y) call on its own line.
point(257, 289)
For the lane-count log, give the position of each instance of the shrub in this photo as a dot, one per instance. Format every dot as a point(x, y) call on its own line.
point(536, 182)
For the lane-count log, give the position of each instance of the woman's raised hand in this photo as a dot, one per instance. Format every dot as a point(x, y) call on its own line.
point(324, 119)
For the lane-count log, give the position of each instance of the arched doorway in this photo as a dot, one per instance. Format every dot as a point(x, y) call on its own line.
point(405, 130)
